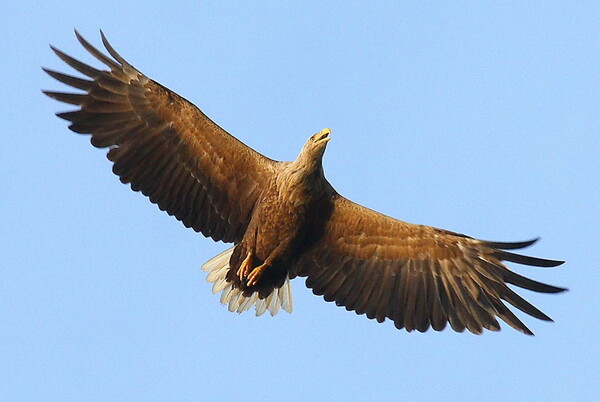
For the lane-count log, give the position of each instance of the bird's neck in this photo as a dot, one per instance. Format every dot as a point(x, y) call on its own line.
point(300, 176)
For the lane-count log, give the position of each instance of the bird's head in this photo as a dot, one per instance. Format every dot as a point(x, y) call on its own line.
point(316, 144)
point(312, 153)
point(310, 159)
point(320, 139)
point(308, 166)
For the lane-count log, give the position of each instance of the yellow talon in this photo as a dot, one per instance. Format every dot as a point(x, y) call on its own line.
point(245, 267)
point(255, 275)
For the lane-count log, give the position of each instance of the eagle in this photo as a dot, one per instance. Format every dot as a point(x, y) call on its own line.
point(285, 219)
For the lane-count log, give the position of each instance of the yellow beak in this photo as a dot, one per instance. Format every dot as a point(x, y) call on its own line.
point(324, 135)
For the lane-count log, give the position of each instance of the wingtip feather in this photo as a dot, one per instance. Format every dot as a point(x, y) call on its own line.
point(511, 245)
point(527, 260)
point(112, 51)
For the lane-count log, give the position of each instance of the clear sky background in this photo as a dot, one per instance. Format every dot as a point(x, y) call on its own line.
point(478, 117)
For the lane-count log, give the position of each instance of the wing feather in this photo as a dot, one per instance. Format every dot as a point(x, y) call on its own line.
point(163, 146)
point(381, 305)
point(439, 318)
point(395, 309)
point(417, 276)
point(74, 82)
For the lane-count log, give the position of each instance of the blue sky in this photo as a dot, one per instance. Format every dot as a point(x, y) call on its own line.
point(478, 117)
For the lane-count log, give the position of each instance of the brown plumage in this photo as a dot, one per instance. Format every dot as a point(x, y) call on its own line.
point(284, 218)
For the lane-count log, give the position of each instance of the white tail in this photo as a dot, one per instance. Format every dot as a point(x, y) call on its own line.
point(217, 268)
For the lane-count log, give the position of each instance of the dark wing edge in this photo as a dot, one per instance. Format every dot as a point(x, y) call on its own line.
point(163, 145)
point(418, 276)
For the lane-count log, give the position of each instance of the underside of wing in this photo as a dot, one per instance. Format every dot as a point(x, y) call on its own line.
point(418, 276)
point(164, 146)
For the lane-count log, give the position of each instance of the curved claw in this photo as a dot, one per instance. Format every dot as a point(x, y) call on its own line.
point(255, 275)
point(245, 267)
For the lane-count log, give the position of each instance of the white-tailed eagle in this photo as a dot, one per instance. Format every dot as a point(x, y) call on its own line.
point(284, 218)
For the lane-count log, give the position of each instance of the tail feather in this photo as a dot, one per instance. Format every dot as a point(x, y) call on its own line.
point(217, 268)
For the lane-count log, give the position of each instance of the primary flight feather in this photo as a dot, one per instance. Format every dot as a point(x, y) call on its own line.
point(284, 218)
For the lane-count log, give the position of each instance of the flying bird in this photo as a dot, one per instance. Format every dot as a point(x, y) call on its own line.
point(285, 220)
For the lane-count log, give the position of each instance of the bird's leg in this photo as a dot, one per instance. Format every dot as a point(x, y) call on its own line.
point(254, 276)
point(246, 266)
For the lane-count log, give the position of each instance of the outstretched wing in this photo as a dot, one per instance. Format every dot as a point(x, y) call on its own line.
point(164, 145)
point(417, 276)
